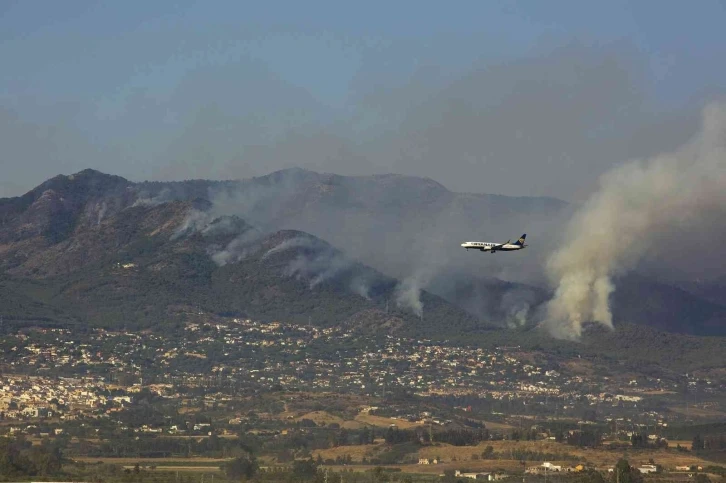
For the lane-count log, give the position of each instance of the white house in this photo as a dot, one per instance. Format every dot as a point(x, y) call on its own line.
point(474, 476)
point(645, 469)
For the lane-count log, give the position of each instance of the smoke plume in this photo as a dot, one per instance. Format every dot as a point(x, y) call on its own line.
point(241, 247)
point(102, 207)
point(516, 304)
point(640, 206)
point(195, 221)
point(296, 242)
point(319, 263)
point(408, 292)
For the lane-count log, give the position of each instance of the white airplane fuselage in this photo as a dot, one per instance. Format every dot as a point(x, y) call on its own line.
point(492, 247)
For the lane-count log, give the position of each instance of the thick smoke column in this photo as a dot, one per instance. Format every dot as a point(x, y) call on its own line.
point(637, 205)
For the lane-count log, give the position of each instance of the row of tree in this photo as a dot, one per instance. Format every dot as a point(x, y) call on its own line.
point(19, 458)
point(708, 442)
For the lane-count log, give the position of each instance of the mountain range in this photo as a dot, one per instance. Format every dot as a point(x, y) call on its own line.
point(378, 253)
point(88, 249)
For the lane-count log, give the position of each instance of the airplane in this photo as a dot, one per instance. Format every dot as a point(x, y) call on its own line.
point(496, 247)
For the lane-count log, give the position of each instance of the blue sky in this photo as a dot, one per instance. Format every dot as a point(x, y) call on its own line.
point(182, 89)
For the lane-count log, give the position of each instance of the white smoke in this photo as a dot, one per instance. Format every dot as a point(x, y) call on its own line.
point(101, 212)
point(226, 225)
point(329, 268)
point(195, 221)
point(361, 286)
point(321, 265)
point(164, 196)
point(243, 237)
point(515, 305)
point(241, 247)
point(636, 208)
point(296, 242)
point(408, 291)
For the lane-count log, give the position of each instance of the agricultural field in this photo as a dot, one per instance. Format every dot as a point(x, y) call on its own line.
point(504, 455)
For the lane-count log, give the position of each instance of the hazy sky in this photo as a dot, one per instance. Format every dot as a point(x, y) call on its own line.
point(525, 98)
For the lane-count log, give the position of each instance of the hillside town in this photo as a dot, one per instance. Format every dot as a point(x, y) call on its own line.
point(71, 374)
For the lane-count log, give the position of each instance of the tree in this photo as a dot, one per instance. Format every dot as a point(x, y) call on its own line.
point(379, 474)
point(305, 468)
point(20, 458)
point(590, 476)
point(449, 476)
point(365, 436)
point(624, 473)
point(702, 478)
point(697, 444)
point(241, 467)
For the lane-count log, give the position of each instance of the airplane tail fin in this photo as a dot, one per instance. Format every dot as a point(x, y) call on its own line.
point(521, 240)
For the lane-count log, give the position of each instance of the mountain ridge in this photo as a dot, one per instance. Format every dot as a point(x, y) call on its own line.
point(140, 265)
point(70, 223)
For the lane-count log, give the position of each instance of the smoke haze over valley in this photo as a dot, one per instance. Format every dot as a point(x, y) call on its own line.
point(407, 229)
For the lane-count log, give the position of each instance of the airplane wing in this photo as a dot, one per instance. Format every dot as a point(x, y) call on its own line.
point(497, 247)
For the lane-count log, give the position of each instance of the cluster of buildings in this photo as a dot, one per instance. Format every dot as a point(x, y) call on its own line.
point(481, 476)
point(548, 467)
point(26, 397)
point(239, 356)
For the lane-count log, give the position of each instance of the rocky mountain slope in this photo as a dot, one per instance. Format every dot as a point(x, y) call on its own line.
point(97, 249)
point(88, 249)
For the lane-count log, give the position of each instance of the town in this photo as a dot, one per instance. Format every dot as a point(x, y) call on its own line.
point(209, 388)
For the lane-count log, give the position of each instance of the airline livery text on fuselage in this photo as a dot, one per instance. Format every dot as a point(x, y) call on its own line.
point(496, 247)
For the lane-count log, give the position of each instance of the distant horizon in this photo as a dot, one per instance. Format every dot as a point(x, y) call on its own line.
point(374, 175)
point(484, 97)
